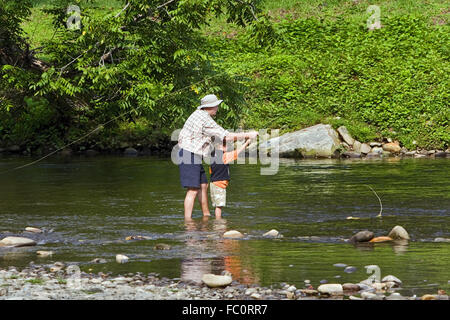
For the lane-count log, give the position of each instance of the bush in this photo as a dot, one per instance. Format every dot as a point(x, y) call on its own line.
point(392, 82)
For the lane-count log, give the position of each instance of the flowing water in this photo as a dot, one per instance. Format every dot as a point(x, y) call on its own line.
point(89, 205)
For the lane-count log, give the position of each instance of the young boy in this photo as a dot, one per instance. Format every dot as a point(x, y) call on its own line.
point(220, 174)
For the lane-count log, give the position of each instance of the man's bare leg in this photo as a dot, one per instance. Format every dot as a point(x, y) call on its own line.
point(203, 199)
point(189, 200)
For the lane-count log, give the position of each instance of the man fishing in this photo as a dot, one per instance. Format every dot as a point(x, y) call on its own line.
point(195, 142)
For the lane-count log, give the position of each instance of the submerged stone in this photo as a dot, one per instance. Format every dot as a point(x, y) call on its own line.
point(17, 242)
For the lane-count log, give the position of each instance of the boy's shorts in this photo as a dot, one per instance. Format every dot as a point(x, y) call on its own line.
point(218, 195)
point(192, 173)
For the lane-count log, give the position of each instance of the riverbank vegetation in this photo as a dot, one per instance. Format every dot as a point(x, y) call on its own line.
point(140, 68)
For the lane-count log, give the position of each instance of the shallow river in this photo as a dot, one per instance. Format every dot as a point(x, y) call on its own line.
point(89, 205)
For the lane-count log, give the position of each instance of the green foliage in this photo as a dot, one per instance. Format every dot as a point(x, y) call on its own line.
point(142, 68)
point(144, 60)
point(392, 82)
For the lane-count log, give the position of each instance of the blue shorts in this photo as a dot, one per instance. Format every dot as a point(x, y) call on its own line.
point(192, 173)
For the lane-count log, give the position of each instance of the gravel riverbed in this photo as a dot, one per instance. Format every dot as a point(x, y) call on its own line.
point(61, 282)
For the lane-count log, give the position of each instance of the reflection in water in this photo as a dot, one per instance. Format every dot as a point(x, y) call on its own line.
point(400, 246)
point(227, 253)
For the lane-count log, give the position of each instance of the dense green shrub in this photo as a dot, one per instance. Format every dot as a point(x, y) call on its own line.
point(391, 82)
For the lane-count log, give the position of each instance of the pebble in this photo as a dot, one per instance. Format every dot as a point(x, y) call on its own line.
point(99, 260)
point(371, 296)
point(340, 265)
point(331, 289)
point(233, 234)
point(120, 258)
point(441, 240)
point(162, 246)
point(350, 287)
point(256, 296)
point(391, 278)
point(291, 289)
point(34, 230)
point(212, 280)
point(44, 254)
point(272, 233)
point(350, 269)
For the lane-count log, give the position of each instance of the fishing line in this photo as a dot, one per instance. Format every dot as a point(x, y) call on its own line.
point(99, 127)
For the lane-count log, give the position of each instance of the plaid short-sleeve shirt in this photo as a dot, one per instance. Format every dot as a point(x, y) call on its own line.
point(197, 132)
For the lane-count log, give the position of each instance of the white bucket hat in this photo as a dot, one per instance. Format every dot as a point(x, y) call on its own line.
point(209, 101)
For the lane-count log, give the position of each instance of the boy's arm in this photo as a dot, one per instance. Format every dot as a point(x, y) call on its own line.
point(233, 155)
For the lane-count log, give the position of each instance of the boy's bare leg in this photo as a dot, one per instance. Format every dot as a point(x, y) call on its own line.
point(203, 199)
point(189, 200)
point(218, 212)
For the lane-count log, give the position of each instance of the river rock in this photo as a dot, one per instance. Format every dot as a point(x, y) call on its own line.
point(212, 280)
point(130, 152)
point(375, 144)
point(34, 230)
point(441, 240)
point(392, 147)
point(377, 150)
point(317, 141)
point(162, 246)
point(396, 296)
point(440, 154)
point(362, 236)
point(398, 233)
point(120, 258)
point(343, 132)
point(391, 278)
point(351, 287)
point(365, 148)
point(331, 289)
point(357, 146)
point(272, 233)
point(429, 297)
point(381, 239)
point(351, 154)
point(309, 292)
point(233, 234)
point(350, 269)
point(340, 265)
point(44, 254)
point(98, 260)
point(17, 242)
point(371, 296)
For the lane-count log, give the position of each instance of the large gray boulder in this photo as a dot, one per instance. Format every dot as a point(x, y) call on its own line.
point(319, 141)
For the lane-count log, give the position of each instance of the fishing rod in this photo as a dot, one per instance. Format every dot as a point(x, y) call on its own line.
point(101, 126)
